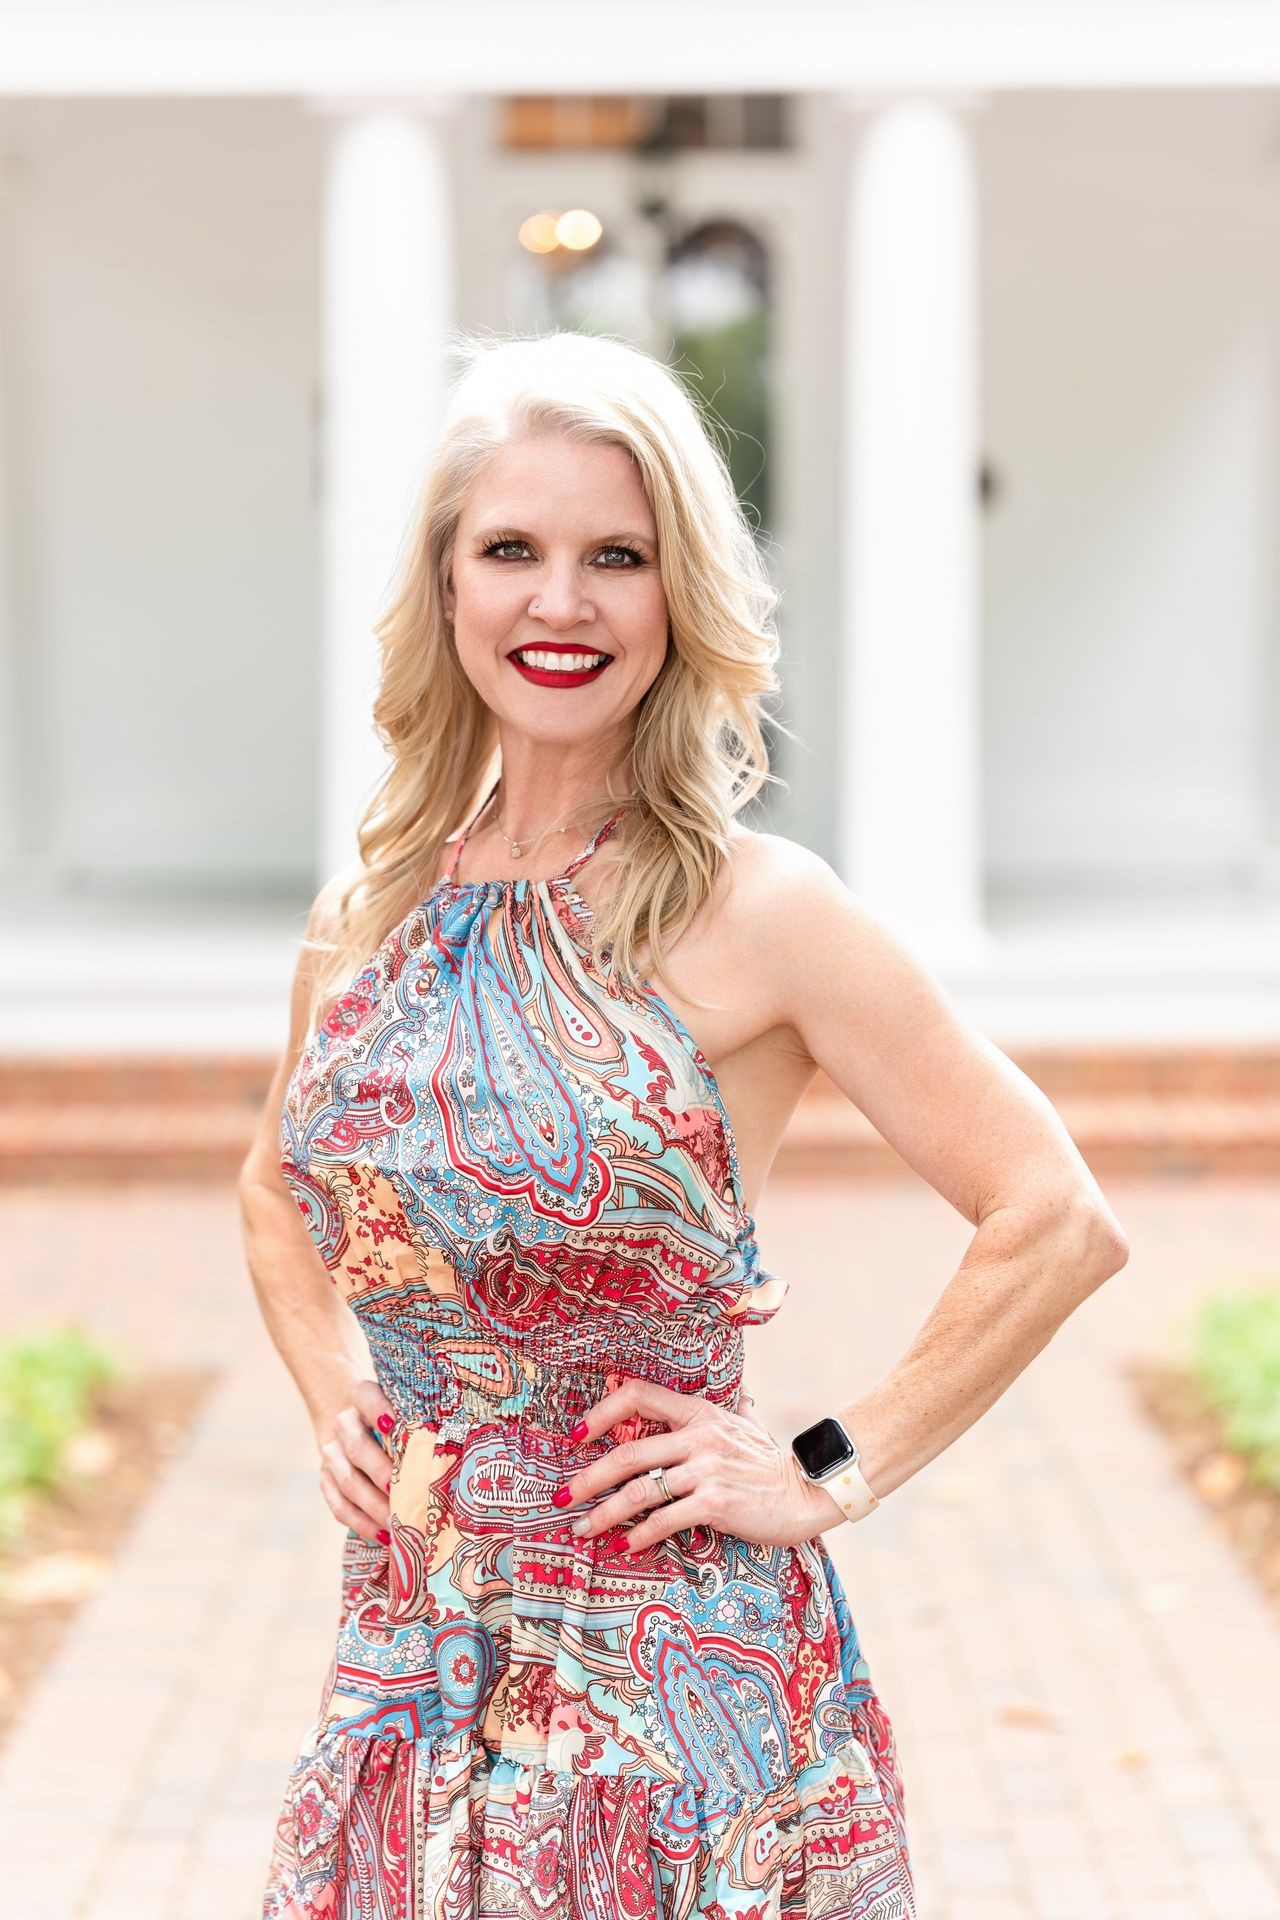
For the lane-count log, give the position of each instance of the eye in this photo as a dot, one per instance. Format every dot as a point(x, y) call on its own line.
point(617, 558)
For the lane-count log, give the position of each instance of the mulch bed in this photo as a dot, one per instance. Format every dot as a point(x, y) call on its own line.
point(136, 1425)
point(1246, 1515)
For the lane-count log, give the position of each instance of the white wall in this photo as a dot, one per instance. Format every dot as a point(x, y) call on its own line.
point(1130, 342)
point(159, 356)
point(159, 325)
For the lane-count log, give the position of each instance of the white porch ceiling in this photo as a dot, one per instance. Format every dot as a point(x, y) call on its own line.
point(403, 48)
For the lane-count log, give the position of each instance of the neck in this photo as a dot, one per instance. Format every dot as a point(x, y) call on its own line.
point(535, 797)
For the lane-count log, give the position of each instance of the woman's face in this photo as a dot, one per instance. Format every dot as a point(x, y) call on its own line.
point(555, 563)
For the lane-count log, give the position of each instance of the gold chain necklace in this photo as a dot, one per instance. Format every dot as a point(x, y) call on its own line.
point(519, 848)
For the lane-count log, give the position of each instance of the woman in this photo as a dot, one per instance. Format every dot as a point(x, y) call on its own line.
point(593, 1656)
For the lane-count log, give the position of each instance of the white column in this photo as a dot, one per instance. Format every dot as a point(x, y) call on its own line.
point(389, 301)
point(910, 826)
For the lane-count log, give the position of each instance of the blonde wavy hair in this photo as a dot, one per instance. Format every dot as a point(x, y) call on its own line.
point(698, 754)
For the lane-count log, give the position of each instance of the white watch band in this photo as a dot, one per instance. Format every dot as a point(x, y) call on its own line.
point(848, 1487)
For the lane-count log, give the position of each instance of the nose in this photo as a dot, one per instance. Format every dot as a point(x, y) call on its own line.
point(560, 602)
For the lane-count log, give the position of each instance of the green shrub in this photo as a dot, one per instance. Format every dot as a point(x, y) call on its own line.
point(1236, 1359)
point(46, 1383)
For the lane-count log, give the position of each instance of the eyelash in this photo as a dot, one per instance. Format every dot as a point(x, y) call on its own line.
point(633, 555)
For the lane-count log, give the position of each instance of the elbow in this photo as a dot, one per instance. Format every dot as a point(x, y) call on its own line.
point(247, 1184)
point(1069, 1237)
point(255, 1188)
point(1104, 1245)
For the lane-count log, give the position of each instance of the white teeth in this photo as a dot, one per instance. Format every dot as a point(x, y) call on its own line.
point(560, 662)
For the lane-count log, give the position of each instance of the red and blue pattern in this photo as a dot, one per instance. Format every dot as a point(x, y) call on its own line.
point(523, 1178)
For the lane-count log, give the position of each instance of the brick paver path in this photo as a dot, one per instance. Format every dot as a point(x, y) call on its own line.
point(1084, 1682)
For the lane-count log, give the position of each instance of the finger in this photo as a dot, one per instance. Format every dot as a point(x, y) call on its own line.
point(356, 1485)
point(623, 1462)
point(635, 1496)
point(345, 1511)
point(363, 1448)
point(372, 1404)
point(646, 1399)
point(674, 1516)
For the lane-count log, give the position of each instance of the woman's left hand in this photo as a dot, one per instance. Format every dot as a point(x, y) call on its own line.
point(725, 1470)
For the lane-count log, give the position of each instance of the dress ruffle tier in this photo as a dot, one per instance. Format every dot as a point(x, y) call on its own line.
point(404, 1803)
point(390, 1827)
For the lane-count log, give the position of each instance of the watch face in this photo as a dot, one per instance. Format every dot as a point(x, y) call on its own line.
point(822, 1448)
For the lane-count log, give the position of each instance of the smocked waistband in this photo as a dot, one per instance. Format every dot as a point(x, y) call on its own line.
point(462, 1374)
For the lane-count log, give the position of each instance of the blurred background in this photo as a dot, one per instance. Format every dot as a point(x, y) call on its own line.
point(986, 299)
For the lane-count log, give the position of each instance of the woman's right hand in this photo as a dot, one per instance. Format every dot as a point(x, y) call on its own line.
point(355, 1467)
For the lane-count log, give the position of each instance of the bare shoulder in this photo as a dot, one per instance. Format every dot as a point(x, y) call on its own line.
point(823, 952)
point(775, 912)
point(768, 859)
point(791, 897)
point(774, 907)
point(869, 1010)
point(771, 888)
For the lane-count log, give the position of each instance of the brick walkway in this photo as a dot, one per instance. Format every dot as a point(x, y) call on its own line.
point(1084, 1683)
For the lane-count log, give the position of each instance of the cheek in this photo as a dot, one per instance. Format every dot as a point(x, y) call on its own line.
point(487, 604)
point(641, 620)
point(479, 638)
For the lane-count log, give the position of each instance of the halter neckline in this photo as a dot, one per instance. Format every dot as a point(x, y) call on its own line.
point(516, 880)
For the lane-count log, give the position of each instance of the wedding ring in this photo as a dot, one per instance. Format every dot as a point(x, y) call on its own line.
point(656, 1473)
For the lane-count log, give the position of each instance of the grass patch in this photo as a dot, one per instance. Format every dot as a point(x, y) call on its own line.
point(47, 1383)
point(1220, 1415)
point(83, 1439)
point(1235, 1357)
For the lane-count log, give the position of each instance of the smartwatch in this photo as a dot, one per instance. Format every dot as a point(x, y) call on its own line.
point(828, 1455)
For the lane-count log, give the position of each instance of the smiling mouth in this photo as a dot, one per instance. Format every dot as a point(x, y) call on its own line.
point(542, 660)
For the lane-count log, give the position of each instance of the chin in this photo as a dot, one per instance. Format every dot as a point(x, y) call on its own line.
point(575, 730)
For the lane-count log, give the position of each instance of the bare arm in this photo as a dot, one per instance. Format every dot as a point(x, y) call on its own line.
point(309, 1322)
point(976, 1128)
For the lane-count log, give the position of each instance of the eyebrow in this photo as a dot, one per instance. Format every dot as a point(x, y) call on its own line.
point(513, 532)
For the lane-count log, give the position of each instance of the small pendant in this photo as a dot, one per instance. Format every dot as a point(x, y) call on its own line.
point(517, 853)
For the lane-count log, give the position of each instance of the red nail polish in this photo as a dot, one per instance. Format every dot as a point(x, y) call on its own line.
point(384, 1536)
point(578, 1432)
point(561, 1497)
point(385, 1422)
point(388, 1486)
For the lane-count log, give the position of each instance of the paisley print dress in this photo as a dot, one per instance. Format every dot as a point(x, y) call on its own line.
point(523, 1179)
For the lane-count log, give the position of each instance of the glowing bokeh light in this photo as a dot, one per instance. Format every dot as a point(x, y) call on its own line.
point(538, 233)
point(578, 230)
